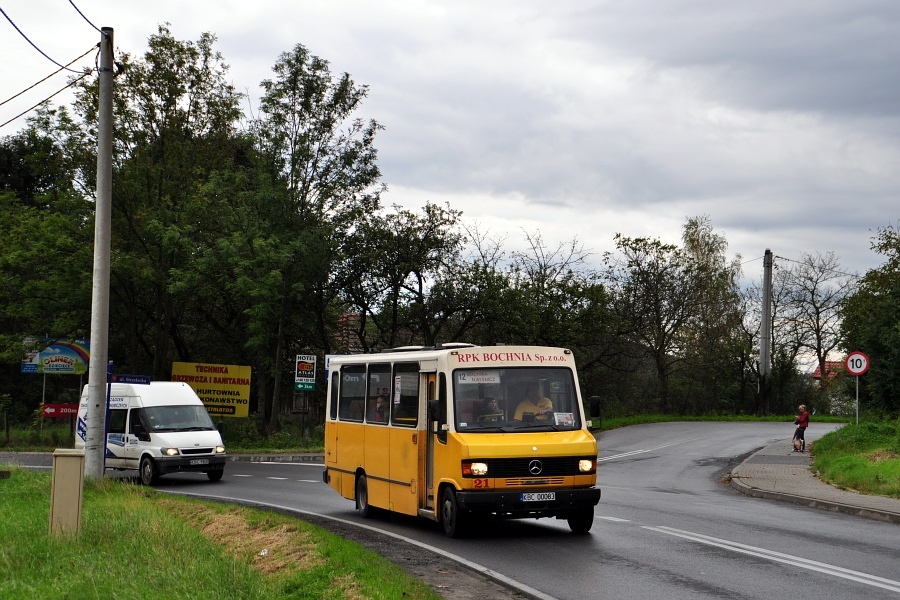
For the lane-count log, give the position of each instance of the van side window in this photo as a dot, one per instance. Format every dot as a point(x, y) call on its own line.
point(116, 420)
point(134, 418)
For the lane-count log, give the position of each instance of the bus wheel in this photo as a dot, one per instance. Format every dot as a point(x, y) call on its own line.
point(149, 476)
point(452, 519)
point(362, 498)
point(581, 520)
point(215, 475)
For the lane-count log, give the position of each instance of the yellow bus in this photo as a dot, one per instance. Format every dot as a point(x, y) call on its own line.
point(457, 432)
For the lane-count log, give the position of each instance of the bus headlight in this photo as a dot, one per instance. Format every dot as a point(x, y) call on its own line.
point(220, 449)
point(474, 469)
point(169, 451)
point(587, 466)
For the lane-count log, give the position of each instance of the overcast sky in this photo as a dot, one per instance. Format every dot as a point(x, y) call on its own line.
point(777, 119)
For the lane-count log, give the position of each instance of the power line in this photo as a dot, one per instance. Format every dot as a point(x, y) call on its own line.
point(33, 45)
point(854, 275)
point(73, 82)
point(45, 78)
point(84, 17)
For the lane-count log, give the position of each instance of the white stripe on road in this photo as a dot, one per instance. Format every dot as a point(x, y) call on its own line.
point(796, 561)
point(633, 452)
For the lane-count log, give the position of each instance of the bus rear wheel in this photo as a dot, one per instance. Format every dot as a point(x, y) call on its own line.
point(452, 518)
point(366, 511)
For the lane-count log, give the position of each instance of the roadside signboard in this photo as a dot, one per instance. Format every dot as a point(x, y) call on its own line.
point(857, 363)
point(132, 379)
point(305, 375)
point(58, 411)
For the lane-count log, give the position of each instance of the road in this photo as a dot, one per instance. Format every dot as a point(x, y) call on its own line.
point(666, 527)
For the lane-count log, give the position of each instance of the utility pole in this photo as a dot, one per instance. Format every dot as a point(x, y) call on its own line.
point(95, 439)
point(765, 330)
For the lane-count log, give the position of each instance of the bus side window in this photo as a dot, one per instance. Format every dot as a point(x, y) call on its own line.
point(333, 393)
point(352, 392)
point(442, 408)
point(405, 395)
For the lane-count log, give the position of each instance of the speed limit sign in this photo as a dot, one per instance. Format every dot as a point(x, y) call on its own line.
point(857, 363)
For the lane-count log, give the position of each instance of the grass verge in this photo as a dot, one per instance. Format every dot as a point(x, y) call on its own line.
point(864, 458)
point(138, 543)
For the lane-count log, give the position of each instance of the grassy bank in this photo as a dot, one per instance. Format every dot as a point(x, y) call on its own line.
point(138, 543)
point(864, 458)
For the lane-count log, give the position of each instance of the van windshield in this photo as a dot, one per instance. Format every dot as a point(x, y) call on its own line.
point(177, 418)
point(515, 399)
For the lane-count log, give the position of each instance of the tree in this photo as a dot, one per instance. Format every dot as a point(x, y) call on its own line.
point(325, 161)
point(175, 117)
point(656, 290)
point(871, 324)
point(816, 292)
point(713, 343)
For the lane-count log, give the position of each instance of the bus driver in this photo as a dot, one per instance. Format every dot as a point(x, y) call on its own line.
point(533, 403)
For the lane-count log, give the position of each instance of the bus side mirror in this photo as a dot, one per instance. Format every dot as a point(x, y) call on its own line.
point(595, 406)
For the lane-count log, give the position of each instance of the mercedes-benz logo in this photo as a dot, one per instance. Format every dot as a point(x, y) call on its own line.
point(535, 467)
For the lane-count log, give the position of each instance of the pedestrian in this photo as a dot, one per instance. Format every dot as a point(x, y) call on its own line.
point(802, 422)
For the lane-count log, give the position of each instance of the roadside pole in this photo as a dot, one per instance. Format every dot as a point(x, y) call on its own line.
point(95, 438)
point(857, 364)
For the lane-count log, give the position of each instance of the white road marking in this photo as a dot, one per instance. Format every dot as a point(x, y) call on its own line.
point(796, 561)
point(614, 519)
point(645, 450)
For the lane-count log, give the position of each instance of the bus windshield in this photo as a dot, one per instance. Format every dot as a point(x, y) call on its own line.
point(515, 399)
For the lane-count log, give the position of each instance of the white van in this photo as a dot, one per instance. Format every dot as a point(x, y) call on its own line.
point(158, 428)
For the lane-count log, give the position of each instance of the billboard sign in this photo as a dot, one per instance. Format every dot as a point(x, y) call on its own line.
point(224, 389)
point(58, 357)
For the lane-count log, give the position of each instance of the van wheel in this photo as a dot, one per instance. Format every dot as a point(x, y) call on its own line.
point(581, 520)
point(366, 511)
point(149, 476)
point(452, 518)
point(215, 475)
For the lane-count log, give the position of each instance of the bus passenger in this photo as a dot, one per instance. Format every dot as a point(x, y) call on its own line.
point(533, 403)
point(379, 414)
point(490, 410)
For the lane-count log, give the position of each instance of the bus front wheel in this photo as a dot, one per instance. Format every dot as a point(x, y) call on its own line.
point(452, 518)
point(362, 498)
point(581, 520)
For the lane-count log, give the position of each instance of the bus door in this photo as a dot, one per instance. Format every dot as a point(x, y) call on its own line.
point(436, 409)
point(405, 455)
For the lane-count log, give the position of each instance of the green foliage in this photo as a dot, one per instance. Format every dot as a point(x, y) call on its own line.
point(136, 543)
point(863, 457)
point(872, 325)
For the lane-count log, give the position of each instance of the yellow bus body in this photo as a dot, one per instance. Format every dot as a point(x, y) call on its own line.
point(430, 453)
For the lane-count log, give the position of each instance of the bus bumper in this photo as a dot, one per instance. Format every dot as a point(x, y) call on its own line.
point(513, 505)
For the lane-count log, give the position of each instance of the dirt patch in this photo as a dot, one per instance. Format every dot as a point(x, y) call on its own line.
point(883, 455)
point(276, 548)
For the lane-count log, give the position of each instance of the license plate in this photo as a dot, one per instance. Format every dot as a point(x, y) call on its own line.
point(538, 497)
point(200, 461)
